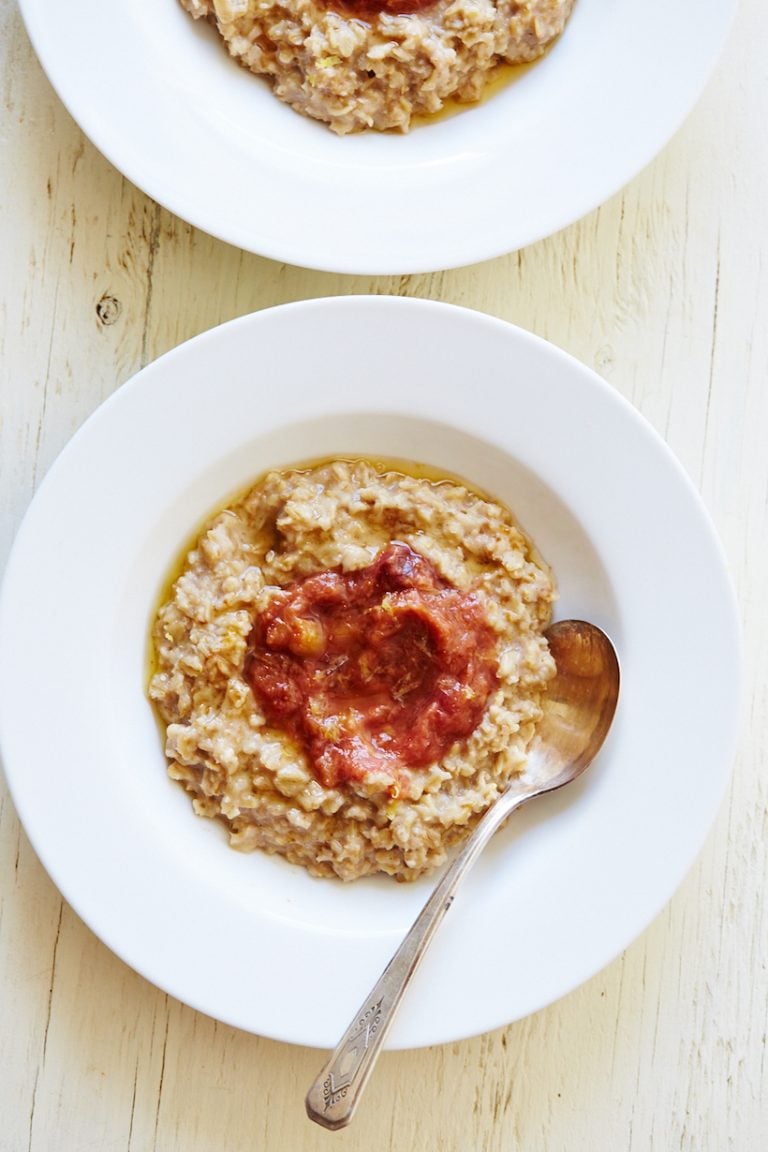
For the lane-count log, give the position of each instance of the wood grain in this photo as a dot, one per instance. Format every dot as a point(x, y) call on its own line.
point(664, 291)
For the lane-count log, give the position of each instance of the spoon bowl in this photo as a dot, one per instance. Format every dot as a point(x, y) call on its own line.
point(579, 705)
point(578, 710)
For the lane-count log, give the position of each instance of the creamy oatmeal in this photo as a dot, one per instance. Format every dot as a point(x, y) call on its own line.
point(350, 666)
point(359, 64)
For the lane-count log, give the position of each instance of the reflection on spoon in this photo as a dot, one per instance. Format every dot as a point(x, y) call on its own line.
point(578, 711)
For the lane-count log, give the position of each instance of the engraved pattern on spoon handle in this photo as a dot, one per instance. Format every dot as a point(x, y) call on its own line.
point(334, 1095)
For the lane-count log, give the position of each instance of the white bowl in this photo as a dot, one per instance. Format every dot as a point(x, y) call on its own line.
point(253, 940)
point(159, 96)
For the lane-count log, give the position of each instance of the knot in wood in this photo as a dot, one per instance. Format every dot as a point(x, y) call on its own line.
point(108, 309)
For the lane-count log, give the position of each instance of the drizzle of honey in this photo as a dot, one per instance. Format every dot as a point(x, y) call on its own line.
point(501, 76)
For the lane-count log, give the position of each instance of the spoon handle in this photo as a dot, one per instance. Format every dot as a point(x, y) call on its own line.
point(334, 1095)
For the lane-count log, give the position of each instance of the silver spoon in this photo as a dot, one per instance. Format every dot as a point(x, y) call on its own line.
point(578, 711)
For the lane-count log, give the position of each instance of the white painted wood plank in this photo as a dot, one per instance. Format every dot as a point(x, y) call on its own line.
point(663, 290)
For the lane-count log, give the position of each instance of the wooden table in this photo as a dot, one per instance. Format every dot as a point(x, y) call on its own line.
point(664, 291)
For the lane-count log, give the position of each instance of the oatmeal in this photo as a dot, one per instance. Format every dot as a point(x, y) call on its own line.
point(350, 666)
point(359, 64)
